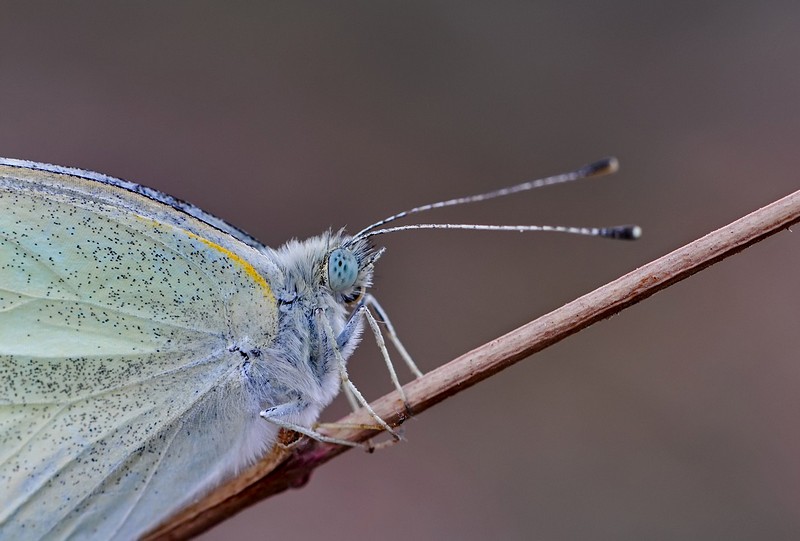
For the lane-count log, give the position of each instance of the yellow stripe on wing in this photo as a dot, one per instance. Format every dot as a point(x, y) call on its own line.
point(246, 267)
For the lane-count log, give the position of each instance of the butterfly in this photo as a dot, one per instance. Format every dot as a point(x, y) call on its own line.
point(149, 350)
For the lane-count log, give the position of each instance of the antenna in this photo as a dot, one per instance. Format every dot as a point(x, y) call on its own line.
point(602, 167)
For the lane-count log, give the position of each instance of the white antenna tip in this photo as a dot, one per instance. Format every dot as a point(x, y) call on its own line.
point(606, 166)
point(622, 232)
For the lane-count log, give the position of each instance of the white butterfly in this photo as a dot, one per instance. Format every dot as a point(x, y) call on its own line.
point(140, 341)
point(148, 349)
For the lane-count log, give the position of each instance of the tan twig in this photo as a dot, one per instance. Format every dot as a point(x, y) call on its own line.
point(290, 467)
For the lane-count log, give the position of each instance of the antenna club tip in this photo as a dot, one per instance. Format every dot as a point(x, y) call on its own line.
point(606, 166)
point(624, 232)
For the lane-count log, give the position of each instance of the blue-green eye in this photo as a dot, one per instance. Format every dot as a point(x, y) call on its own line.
point(342, 269)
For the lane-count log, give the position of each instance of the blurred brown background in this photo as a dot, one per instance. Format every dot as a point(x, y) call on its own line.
point(677, 419)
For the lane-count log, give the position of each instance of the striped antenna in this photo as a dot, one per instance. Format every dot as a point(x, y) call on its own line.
point(602, 167)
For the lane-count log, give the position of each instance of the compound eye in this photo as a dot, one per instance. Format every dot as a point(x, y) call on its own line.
point(342, 269)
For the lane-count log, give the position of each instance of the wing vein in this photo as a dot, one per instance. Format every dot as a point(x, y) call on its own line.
point(150, 474)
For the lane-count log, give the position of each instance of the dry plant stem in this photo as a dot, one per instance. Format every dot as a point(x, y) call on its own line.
point(286, 468)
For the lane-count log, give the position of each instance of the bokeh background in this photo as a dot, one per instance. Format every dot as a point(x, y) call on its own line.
point(677, 419)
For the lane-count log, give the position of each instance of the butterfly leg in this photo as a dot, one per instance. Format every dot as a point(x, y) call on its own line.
point(345, 378)
point(376, 331)
point(276, 414)
point(344, 336)
point(373, 302)
point(342, 341)
point(363, 310)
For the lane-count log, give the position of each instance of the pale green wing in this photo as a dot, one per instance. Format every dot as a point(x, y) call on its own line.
point(150, 193)
point(123, 328)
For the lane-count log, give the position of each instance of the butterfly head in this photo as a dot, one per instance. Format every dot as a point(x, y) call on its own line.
point(347, 269)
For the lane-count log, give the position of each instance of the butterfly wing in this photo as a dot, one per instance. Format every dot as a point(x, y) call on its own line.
point(125, 325)
point(150, 193)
